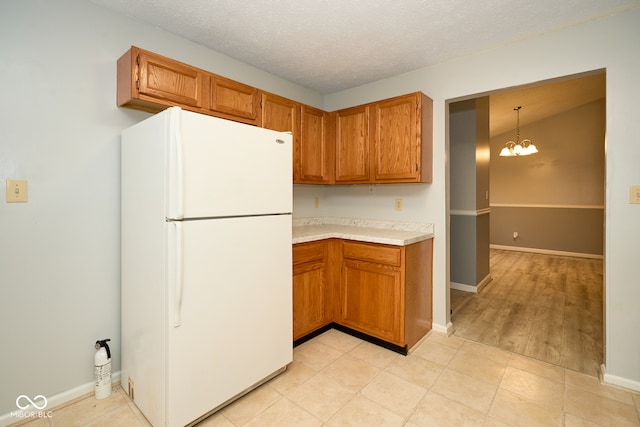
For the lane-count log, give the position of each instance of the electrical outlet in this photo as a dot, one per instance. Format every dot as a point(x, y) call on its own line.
point(316, 202)
point(398, 204)
point(634, 194)
point(515, 235)
point(16, 191)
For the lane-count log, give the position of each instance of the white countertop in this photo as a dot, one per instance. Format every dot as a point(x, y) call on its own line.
point(372, 231)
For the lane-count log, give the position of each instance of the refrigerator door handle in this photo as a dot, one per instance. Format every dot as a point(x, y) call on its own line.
point(178, 279)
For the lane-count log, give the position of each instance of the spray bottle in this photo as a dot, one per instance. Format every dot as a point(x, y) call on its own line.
point(103, 369)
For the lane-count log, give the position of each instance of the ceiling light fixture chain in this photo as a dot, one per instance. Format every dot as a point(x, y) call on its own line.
point(517, 147)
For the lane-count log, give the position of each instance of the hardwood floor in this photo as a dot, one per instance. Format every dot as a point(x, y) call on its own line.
point(542, 306)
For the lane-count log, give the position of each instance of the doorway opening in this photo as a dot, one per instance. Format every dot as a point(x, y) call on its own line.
point(532, 248)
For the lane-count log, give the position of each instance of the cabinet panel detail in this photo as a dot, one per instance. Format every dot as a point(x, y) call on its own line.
point(397, 145)
point(352, 145)
point(234, 98)
point(371, 293)
point(170, 80)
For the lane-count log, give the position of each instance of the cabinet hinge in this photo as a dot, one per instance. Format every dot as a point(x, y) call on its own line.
point(416, 167)
point(417, 105)
point(137, 59)
point(138, 84)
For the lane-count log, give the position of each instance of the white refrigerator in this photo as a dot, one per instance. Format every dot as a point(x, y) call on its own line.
point(206, 262)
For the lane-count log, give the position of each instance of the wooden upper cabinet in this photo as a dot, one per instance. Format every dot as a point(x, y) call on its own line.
point(401, 148)
point(352, 145)
point(314, 156)
point(388, 141)
point(280, 113)
point(151, 82)
point(283, 115)
point(233, 100)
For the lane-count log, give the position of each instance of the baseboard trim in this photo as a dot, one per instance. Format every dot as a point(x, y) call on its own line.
point(59, 400)
point(448, 329)
point(618, 381)
point(470, 288)
point(546, 251)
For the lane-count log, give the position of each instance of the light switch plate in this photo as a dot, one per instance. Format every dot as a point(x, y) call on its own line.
point(16, 191)
point(634, 194)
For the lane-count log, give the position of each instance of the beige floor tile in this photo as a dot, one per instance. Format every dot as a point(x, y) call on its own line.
point(573, 421)
point(84, 411)
point(315, 354)
point(296, 374)
point(436, 410)
point(321, 396)
point(416, 370)
point(435, 351)
point(437, 384)
point(518, 411)
point(351, 372)
point(216, 420)
point(492, 422)
point(361, 411)
point(475, 364)
point(284, 414)
point(542, 391)
point(339, 340)
point(394, 393)
point(465, 389)
point(249, 406)
point(593, 385)
point(486, 351)
point(448, 340)
point(122, 416)
point(374, 354)
point(599, 409)
point(537, 367)
point(31, 422)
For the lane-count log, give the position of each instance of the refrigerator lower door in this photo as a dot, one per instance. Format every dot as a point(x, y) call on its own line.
point(234, 321)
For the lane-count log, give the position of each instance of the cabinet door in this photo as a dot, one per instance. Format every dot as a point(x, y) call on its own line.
point(283, 115)
point(310, 288)
point(352, 145)
point(396, 146)
point(280, 113)
point(314, 157)
point(168, 80)
point(372, 300)
point(309, 298)
point(233, 100)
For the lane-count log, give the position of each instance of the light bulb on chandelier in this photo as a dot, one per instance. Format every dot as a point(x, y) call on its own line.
point(517, 147)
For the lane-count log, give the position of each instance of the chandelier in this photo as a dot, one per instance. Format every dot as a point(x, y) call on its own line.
point(517, 147)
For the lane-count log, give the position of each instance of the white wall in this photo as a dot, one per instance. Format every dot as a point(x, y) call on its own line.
point(609, 43)
point(59, 253)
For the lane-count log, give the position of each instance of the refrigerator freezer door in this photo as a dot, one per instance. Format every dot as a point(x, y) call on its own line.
point(235, 311)
point(222, 168)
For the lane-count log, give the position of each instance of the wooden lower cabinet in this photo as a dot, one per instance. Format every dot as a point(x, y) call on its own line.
point(383, 291)
point(371, 295)
point(310, 288)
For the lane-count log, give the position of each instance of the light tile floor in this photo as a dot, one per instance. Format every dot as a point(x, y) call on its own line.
point(338, 380)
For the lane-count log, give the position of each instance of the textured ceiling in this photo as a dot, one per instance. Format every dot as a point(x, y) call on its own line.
point(331, 45)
